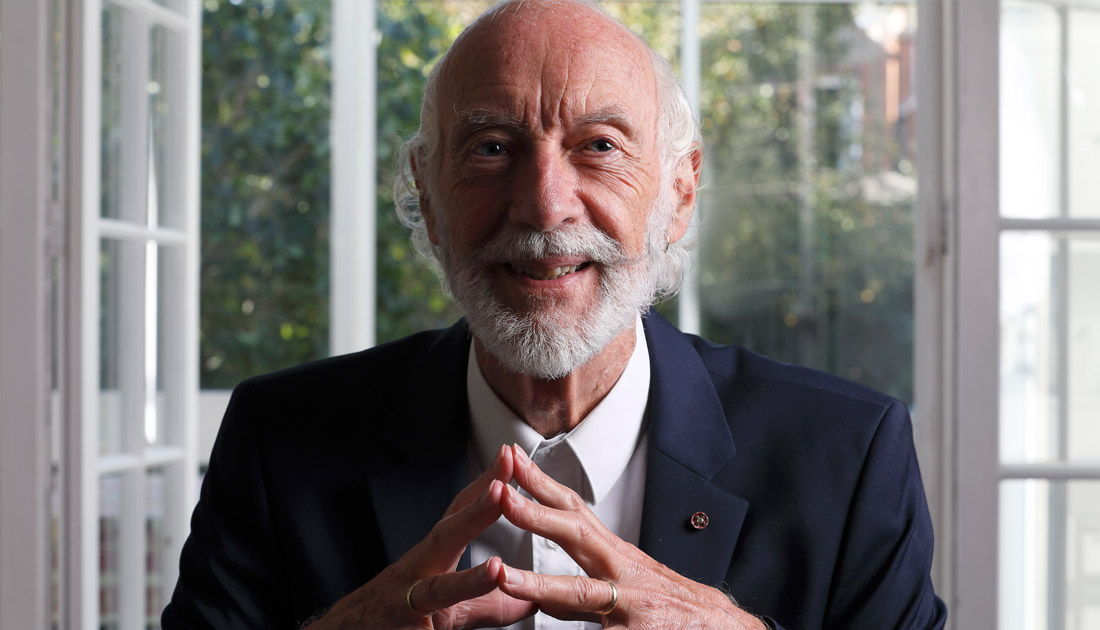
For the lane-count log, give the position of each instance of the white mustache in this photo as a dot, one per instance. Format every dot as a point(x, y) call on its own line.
point(521, 242)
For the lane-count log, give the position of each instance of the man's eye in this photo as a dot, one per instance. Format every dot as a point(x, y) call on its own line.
point(490, 149)
point(601, 146)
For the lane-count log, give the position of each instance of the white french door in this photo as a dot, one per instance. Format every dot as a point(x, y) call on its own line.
point(139, 306)
point(1028, 316)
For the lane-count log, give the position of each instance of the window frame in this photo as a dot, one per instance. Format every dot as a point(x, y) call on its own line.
point(89, 230)
point(24, 313)
point(978, 472)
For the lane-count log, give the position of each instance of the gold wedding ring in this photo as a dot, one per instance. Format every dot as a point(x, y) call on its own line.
point(409, 601)
point(614, 599)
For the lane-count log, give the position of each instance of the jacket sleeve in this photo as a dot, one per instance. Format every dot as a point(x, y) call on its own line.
point(882, 575)
point(229, 564)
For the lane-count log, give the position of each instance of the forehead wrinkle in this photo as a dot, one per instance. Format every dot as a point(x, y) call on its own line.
point(615, 115)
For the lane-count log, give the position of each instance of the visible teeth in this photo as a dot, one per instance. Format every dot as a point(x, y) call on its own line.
point(549, 274)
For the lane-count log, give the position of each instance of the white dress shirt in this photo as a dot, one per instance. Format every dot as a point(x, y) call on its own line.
point(602, 459)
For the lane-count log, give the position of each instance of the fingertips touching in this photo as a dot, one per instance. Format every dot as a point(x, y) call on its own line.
point(540, 485)
point(500, 469)
point(511, 501)
point(503, 466)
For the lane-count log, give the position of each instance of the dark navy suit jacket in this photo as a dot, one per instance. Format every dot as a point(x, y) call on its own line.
point(324, 474)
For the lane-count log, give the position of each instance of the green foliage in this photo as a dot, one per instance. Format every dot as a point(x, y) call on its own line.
point(265, 187)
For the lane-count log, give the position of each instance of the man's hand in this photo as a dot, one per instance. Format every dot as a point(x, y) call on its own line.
point(649, 594)
point(422, 589)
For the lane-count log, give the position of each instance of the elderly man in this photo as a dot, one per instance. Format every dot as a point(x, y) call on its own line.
point(623, 473)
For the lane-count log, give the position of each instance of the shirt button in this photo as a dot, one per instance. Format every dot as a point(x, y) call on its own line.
point(551, 544)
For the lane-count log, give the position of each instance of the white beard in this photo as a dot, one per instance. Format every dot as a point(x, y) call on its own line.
point(540, 341)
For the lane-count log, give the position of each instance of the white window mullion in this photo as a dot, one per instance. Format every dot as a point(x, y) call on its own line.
point(186, 316)
point(689, 313)
point(931, 370)
point(134, 283)
point(976, 389)
point(126, 231)
point(1053, 224)
point(83, 424)
point(352, 132)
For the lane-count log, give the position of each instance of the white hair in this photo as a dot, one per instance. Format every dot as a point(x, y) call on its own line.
point(677, 137)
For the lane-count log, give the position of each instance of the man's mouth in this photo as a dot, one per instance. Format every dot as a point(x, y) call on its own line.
point(547, 273)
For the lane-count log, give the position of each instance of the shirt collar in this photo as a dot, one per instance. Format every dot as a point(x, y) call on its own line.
point(603, 442)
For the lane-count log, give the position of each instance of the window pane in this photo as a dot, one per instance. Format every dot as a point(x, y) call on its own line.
point(158, 550)
point(168, 425)
point(111, 553)
point(165, 127)
point(1030, 102)
point(1050, 347)
point(808, 116)
point(1084, 112)
point(120, 359)
point(111, 114)
point(1049, 555)
point(265, 187)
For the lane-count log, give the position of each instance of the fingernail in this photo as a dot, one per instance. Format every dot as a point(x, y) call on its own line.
point(512, 577)
point(513, 496)
point(520, 453)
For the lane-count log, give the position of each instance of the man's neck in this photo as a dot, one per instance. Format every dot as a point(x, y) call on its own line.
point(553, 407)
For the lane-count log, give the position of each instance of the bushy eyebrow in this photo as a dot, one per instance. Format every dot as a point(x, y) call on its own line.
point(614, 115)
point(471, 121)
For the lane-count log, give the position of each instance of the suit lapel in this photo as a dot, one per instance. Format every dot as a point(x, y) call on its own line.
point(430, 434)
point(689, 443)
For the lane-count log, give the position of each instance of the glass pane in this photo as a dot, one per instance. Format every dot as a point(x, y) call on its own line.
point(110, 348)
point(265, 184)
point(808, 116)
point(1030, 124)
point(1050, 348)
point(165, 125)
point(158, 552)
point(1084, 112)
point(1049, 574)
point(111, 541)
point(170, 353)
point(110, 166)
point(121, 290)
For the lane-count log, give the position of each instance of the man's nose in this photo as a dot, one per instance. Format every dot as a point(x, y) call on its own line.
point(545, 192)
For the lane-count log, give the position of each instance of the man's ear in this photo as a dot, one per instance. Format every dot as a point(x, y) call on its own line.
point(686, 182)
point(423, 200)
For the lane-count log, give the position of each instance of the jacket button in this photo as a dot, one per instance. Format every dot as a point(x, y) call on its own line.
point(699, 520)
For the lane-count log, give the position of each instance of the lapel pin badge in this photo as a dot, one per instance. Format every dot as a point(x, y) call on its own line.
point(699, 520)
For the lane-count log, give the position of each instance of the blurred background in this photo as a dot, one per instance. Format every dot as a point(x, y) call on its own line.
point(195, 192)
